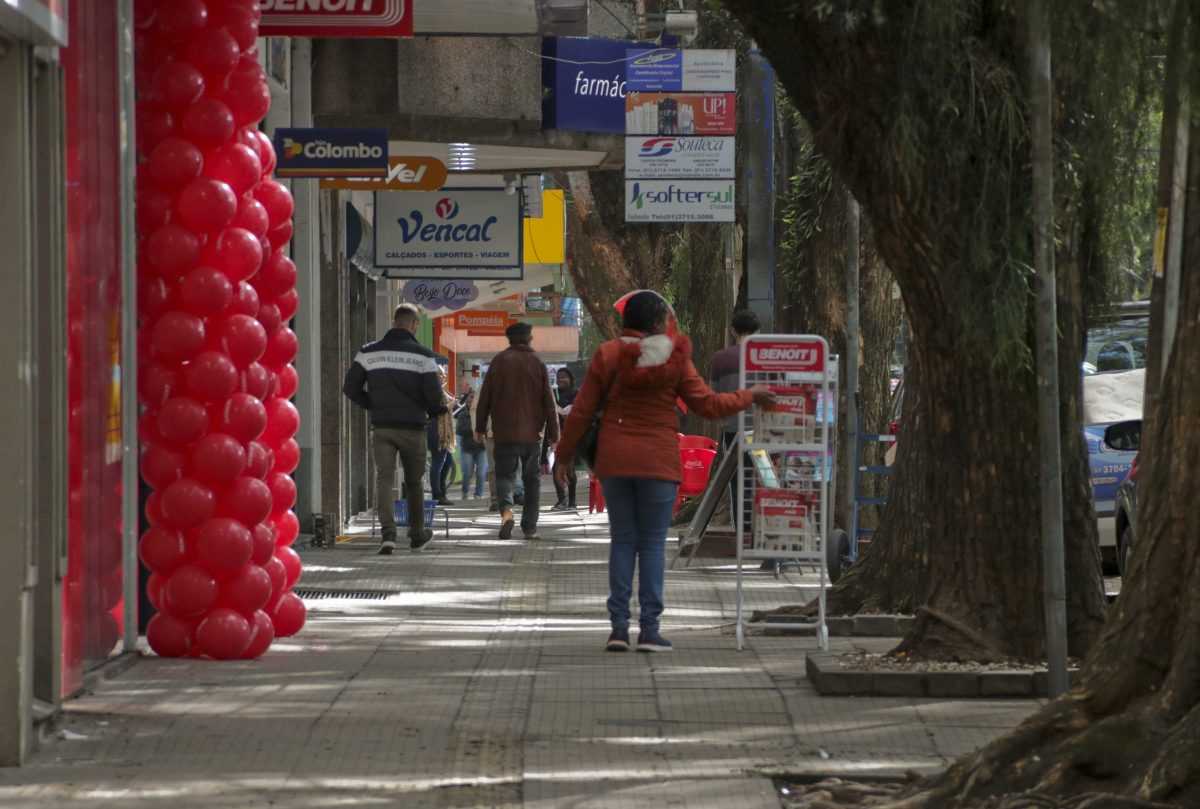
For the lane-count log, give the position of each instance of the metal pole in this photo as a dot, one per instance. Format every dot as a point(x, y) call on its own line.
point(850, 429)
point(759, 140)
point(1054, 578)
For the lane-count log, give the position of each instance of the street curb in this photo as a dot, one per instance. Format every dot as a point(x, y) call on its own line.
point(850, 626)
point(831, 677)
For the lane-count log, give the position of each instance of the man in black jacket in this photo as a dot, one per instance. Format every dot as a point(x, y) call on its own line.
point(396, 379)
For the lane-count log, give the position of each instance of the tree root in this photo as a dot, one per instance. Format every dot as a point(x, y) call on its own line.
point(974, 636)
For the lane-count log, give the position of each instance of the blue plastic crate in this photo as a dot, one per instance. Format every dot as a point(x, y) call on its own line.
point(401, 511)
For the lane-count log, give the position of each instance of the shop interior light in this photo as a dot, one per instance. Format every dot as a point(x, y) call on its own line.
point(461, 157)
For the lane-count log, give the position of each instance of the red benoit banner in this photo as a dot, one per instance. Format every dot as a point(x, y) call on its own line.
point(336, 18)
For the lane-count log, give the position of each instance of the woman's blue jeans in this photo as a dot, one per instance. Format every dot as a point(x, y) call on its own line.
point(639, 515)
point(473, 464)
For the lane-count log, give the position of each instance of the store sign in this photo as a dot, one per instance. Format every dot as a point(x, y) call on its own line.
point(331, 152)
point(481, 323)
point(679, 201)
point(403, 174)
point(439, 296)
point(806, 356)
point(583, 83)
point(336, 18)
point(40, 22)
point(685, 71)
point(679, 157)
point(452, 233)
point(680, 114)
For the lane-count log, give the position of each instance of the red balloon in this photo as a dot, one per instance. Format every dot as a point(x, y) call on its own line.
point(243, 338)
point(280, 235)
point(234, 163)
point(205, 291)
point(153, 209)
point(180, 20)
point(254, 380)
point(206, 205)
point(266, 151)
point(161, 465)
point(291, 563)
point(248, 67)
point(249, 97)
point(259, 460)
point(268, 316)
point(191, 590)
point(208, 123)
point(223, 634)
point(169, 636)
point(252, 216)
point(277, 276)
point(154, 514)
point(264, 545)
point(248, 500)
point(154, 123)
point(215, 52)
point(287, 528)
point(277, 200)
point(172, 250)
point(278, 574)
point(148, 434)
point(283, 492)
point(262, 632)
point(245, 301)
point(188, 503)
point(288, 615)
point(182, 420)
point(239, 253)
point(154, 590)
point(177, 84)
point(211, 376)
point(288, 303)
point(173, 163)
point(218, 458)
point(242, 25)
point(287, 456)
point(154, 297)
point(243, 417)
point(162, 549)
point(282, 347)
point(224, 545)
point(289, 380)
point(247, 591)
point(283, 420)
point(177, 336)
point(156, 382)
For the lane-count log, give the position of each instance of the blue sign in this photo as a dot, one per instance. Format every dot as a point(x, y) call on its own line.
point(659, 71)
point(584, 83)
point(331, 152)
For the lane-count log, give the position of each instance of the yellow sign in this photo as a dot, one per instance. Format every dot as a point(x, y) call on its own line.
point(545, 238)
point(1160, 241)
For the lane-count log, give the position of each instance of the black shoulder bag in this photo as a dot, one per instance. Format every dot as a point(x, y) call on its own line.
point(585, 450)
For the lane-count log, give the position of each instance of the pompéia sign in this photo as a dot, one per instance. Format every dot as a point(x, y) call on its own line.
point(336, 18)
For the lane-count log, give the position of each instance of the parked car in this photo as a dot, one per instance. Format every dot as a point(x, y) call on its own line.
point(1127, 435)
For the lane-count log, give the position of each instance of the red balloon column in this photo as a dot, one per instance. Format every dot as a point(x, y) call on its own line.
point(215, 293)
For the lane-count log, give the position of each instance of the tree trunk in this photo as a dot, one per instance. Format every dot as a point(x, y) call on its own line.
point(920, 118)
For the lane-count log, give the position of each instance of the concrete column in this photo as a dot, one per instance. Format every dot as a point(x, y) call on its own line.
point(332, 359)
point(758, 140)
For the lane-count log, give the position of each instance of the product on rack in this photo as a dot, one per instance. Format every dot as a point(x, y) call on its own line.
point(787, 520)
point(791, 420)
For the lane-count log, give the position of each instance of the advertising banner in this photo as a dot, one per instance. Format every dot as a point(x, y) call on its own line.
point(403, 174)
point(679, 201)
point(680, 114)
point(583, 83)
point(785, 356)
point(453, 233)
point(477, 323)
point(673, 157)
point(669, 71)
point(336, 18)
point(331, 152)
point(439, 296)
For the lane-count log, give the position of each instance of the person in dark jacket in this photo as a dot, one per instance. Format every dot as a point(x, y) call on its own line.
point(396, 379)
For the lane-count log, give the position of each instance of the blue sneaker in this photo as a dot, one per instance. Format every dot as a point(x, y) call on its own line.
point(618, 641)
point(650, 641)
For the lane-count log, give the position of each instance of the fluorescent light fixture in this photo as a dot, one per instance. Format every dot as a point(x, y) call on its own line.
point(461, 156)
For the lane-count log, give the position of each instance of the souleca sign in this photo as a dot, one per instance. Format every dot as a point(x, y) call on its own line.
point(336, 18)
point(466, 233)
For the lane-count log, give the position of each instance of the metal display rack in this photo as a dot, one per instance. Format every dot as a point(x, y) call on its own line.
point(791, 452)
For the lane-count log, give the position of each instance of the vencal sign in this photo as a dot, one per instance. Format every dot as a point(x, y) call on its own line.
point(335, 18)
point(797, 356)
point(464, 233)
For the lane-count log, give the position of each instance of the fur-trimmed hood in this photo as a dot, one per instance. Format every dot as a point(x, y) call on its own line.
point(653, 361)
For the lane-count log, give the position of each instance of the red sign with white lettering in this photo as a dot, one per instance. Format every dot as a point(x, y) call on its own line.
point(784, 356)
point(335, 18)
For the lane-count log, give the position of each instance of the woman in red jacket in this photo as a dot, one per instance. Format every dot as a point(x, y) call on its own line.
point(637, 458)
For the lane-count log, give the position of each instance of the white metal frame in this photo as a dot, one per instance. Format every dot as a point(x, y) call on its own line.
point(802, 362)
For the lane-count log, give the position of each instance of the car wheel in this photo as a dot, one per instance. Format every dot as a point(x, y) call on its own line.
point(1125, 550)
point(837, 555)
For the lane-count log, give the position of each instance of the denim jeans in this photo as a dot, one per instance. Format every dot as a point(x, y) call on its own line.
point(438, 466)
point(509, 459)
point(639, 515)
point(474, 465)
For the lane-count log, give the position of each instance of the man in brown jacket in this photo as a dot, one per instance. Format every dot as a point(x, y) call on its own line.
point(516, 397)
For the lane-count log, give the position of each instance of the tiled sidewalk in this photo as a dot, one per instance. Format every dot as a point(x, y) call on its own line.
point(476, 677)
